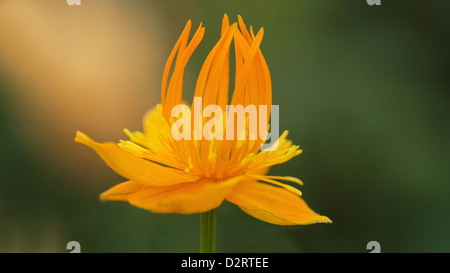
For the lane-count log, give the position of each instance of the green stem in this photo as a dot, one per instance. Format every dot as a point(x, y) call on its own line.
point(208, 222)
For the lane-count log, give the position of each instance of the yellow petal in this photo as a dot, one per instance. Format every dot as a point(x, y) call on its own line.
point(121, 191)
point(273, 204)
point(147, 116)
point(186, 198)
point(259, 171)
point(133, 167)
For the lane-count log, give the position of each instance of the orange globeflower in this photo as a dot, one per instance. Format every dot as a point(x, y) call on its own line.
point(195, 176)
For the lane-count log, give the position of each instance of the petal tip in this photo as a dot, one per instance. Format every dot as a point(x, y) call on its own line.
point(325, 220)
point(81, 137)
point(103, 197)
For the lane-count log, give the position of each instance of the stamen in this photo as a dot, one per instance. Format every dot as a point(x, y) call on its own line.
point(287, 187)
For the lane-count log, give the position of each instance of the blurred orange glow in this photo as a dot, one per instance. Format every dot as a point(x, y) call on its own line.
point(95, 67)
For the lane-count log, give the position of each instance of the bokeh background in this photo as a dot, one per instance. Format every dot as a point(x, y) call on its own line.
point(363, 89)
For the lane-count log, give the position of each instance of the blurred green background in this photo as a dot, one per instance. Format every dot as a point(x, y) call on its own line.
point(363, 89)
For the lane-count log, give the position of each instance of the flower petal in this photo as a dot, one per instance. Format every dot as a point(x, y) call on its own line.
point(121, 191)
point(186, 198)
point(133, 167)
point(273, 204)
point(259, 171)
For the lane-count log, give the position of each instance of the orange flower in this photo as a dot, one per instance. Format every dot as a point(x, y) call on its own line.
point(196, 176)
